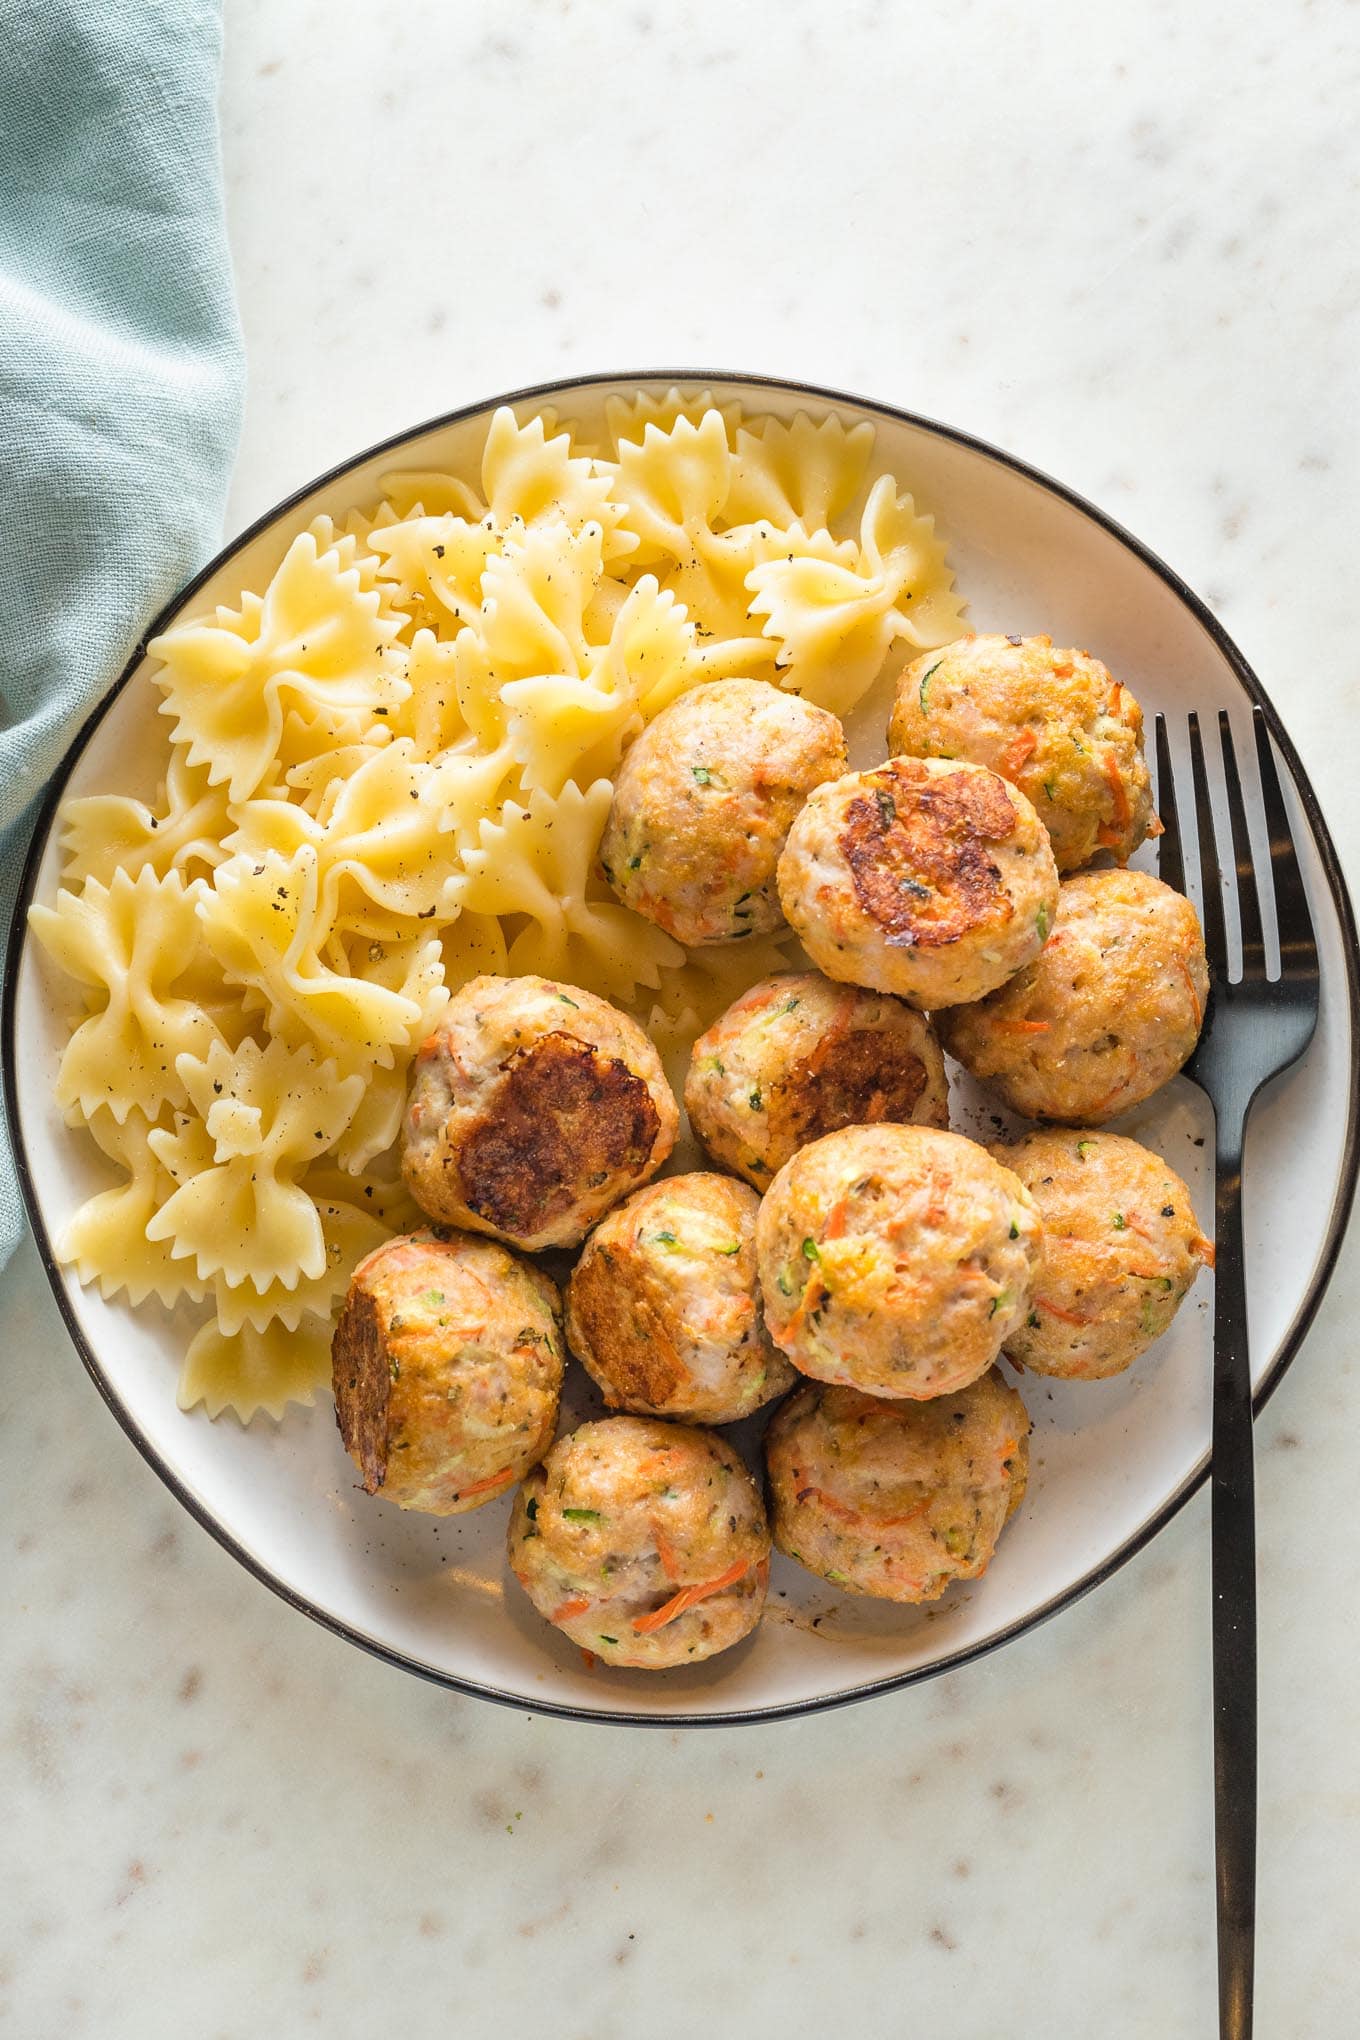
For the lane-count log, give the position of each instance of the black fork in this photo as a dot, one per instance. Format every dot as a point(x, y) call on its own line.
point(1255, 1027)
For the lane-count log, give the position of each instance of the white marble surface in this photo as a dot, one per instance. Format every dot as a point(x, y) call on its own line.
point(1126, 256)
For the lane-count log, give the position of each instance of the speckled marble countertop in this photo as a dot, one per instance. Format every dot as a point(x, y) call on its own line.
point(1125, 255)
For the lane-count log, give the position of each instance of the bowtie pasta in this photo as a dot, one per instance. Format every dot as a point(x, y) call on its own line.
point(388, 771)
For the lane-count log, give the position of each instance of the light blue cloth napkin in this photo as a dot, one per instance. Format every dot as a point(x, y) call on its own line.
point(121, 367)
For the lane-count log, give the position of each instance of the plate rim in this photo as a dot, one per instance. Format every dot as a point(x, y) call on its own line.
point(1343, 1195)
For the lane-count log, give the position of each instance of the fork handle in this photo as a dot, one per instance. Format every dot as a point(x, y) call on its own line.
point(1234, 1615)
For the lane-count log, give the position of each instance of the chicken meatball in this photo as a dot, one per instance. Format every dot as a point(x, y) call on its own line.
point(896, 1500)
point(663, 1307)
point(703, 803)
point(646, 1543)
point(929, 879)
point(896, 1259)
point(1054, 723)
point(446, 1365)
point(798, 1057)
point(1105, 1016)
point(1121, 1248)
point(534, 1106)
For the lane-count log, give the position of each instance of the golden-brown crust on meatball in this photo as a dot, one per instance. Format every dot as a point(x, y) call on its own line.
point(446, 1365)
point(1053, 722)
point(362, 1381)
point(917, 848)
point(896, 1500)
point(797, 1057)
point(561, 1109)
point(630, 1341)
point(534, 1106)
point(927, 878)
point(663, 1306)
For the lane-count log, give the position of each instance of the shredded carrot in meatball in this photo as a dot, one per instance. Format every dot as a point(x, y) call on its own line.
point(1021, 748)
point(1184, 968)
point(670, 1564)
point(849, 1514)
point(483, 1487)
point(1122, 810)
point(687, 1598)
point(1068, 1317)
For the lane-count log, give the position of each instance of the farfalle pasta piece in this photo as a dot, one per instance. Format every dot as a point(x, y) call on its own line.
point(470, 784)
point(674, 486)
point(651, 650)
point(540, 861)
point(433, 492)
point(377, 1119)
point(473, 947)
point(629, 417)
point(562, 728)
point(905, 548)
point(130, 945)
point(261, 922)
point(250, 1371)
point(805, 472)
point(537, 595)
point(836, 614)
point(267, 1113)
point(314, 784)
point(381, 835)
point(105, 1238)
point(530, 475)
point(431, 716)
point(414, 967)
point(350, 544)
point(104, 833)
point(535, 599)
point(348, 1233)
point(317, 641)
point(432, 568)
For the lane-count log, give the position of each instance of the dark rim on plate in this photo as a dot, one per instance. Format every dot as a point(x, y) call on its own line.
point(541, 393)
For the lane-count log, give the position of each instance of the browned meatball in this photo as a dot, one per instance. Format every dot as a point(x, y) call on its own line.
point(1105, 1016)
point(1056, 723)
point(663, 1307)
point(646, 1543)
point(534, 1107)
point(927, 878)
point(703, 802)
point(897, 1500)
point(797, 1057)
point(1121, 1248)
point(446, 1365)
point(896, 1259)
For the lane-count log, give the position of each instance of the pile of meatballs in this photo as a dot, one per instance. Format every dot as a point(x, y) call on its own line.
point(846, 1254)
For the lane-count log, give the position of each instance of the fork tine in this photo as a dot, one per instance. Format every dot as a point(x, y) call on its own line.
point(1248, 903)
point(1170, 857)
point(1211, 882)
point(1298, 947)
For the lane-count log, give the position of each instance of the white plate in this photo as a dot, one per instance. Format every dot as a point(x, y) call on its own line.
point(1111, 1460)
